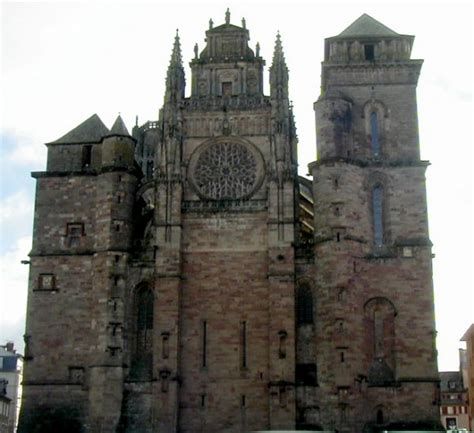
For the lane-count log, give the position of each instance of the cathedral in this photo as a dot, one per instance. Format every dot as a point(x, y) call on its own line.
point(185, 279)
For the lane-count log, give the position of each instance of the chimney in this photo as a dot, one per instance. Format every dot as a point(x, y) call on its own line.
point(9, 346)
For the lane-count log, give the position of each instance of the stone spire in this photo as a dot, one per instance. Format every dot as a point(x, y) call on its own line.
point(175, 81)
point(278, 72)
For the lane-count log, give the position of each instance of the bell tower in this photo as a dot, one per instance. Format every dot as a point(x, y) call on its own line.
point(375, 337)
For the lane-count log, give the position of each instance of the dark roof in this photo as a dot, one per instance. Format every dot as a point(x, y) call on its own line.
point(366, 26)
point(90, 131)
point(450, 377)
point(119, 128)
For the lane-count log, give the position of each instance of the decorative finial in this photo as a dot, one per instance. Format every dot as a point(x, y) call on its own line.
point(227, 16)
point(243, 23)
point(211, 23)
point(278, 35)
point(177, 34)
point(196, 49)
point(257, 49)
point(136, 120)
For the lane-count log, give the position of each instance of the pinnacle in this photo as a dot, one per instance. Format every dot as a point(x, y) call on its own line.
point(278, 55)
point(176, 53)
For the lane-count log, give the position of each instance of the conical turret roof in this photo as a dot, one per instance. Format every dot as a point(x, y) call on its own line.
point(90, 131)
point(119, 128)
point(366, 26)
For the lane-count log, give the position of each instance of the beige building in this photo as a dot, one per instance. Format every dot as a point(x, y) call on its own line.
point(468, 371)
point(454, 401)
point(184, 278)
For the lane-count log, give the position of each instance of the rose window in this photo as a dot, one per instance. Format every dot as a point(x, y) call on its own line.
point(225, 171)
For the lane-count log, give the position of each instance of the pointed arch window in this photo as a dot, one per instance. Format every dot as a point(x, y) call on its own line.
point(304, 305)
point(379, 320)
point(374, 133)
point(377, 210)
point(379, 417)
point(142, 359)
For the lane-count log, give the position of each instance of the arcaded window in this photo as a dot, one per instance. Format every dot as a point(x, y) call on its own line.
point(304, 305)
point(378, 217)
point(142, 362)
point(374, 134)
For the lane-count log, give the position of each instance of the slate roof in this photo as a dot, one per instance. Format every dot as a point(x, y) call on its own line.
point(366, 26)
point(90, 131)
point(119, 128)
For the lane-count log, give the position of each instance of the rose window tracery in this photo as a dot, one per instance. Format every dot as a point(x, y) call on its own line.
point(225, 170)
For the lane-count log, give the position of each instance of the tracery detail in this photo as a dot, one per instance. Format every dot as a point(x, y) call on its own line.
point(225, 171)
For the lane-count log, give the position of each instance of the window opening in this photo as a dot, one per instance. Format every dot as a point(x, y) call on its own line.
point(204, 343)
point(304, 305)
point(86, 156)
point(380, 416)
point(227, 89)
point(374, 134)
point(369, 51)
point(377, 206)
point(243, 342)
point(142, 365)
point(305, 374)
point(74, 232)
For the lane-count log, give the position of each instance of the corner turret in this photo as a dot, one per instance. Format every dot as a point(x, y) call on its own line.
point(118, 146)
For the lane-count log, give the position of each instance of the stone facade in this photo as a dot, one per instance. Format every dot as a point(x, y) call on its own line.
point(184, 278)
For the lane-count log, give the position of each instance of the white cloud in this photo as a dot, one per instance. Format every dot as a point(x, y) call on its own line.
point(26, 151)
point(13, 291)
point(16, 217)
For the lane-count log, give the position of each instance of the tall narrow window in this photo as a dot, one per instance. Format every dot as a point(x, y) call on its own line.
point(204, 343)
point(377, 209)
point(142, 364)
point(149, 169)
point(243, 344)
point(304, 305)
point(379, 417)
point(86, 156)
point(374, 134)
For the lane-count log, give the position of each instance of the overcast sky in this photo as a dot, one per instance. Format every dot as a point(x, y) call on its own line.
point(62, 62)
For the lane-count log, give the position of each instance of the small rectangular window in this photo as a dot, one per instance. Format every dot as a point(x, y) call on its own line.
point(74, 233)
point(306, 374)
point(369, 52)
point(46, 282)
point(227, 89)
